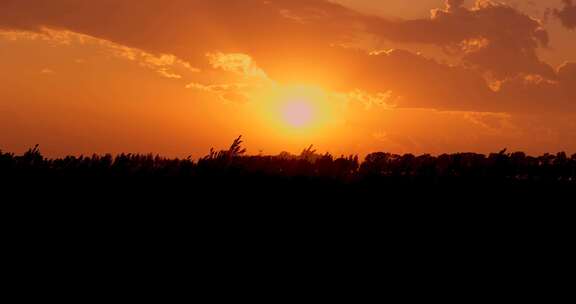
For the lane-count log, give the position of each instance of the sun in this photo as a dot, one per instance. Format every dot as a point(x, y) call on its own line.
point(300, 108)
point(298, 112)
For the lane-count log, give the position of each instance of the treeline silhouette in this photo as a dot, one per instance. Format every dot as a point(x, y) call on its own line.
point(317, 196)
point(233, 163)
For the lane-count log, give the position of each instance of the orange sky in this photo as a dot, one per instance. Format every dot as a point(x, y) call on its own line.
point(177, 77)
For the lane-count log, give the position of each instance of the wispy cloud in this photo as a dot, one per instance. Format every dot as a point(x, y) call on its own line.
point(165, 65)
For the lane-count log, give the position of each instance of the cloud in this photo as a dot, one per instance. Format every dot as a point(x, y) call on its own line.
point(396, 78)
point(302, 41)
point(166, 74)
point(190, 29)
point(567, 74)
point(415, 80)
point(238, 63)
point(168, 66)
point(567, 14)
point(369, 101)
point(491, 35)
point(228, 93)
point(539, 94)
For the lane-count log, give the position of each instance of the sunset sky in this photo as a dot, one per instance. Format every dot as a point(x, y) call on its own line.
point(177, 77)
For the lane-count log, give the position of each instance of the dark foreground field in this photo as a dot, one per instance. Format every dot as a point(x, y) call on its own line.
point(460, 215)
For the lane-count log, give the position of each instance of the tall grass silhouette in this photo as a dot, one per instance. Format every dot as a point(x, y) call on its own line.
point(514, 167)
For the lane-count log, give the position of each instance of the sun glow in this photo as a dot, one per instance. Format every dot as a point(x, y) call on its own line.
point(294, 116)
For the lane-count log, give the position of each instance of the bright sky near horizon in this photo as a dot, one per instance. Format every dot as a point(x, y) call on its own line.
point(177, 77)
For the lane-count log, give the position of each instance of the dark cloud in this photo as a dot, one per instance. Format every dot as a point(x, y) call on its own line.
point(537, 94)
point(493, 36)
point(419, 81)
point(567, 77)
point(424, 82)
point(567, 14)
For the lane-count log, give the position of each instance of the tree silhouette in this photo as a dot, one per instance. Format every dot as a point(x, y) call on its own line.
point(234, 164)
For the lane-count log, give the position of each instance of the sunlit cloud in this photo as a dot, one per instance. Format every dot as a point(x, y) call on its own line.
point(228, 93)
point(164, 64)
point(241, 64)
point(385, 100)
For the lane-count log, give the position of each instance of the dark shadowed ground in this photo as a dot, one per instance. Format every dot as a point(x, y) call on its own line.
point(226, 218)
